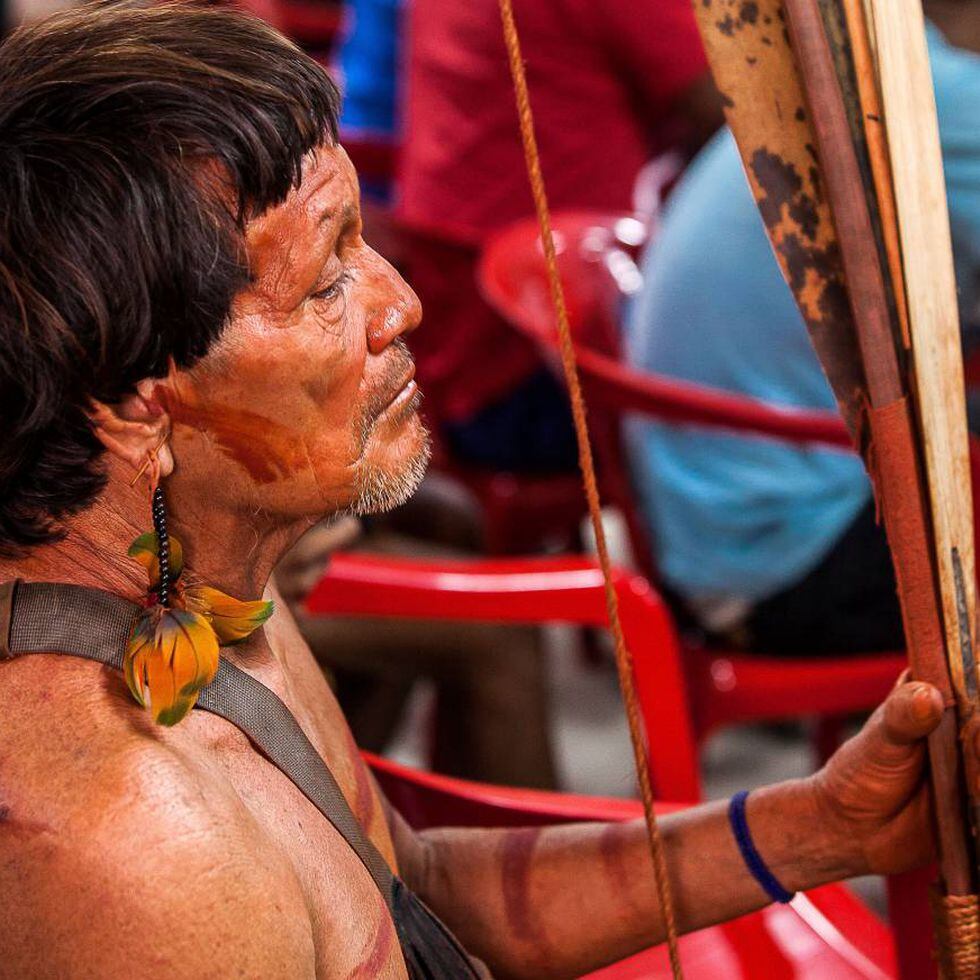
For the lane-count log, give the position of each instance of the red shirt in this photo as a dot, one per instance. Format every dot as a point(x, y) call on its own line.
point(603, 77)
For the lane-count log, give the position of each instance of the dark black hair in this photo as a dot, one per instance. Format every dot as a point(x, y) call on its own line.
point(136, 141)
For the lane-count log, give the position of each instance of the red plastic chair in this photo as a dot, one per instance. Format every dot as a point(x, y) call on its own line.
point(826, 933)
point(571, 590)
point(595, 260)
point(535, 590)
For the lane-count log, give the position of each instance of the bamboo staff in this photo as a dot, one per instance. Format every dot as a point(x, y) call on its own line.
point(912, 139)
point(930, 283)
point(755, 70)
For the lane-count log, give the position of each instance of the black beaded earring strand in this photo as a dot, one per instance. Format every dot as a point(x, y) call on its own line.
point(163, 540)
point(175, 646)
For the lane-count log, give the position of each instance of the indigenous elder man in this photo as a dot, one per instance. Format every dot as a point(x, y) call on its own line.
point(614, 83)
point(181, 258)
point(772, 545)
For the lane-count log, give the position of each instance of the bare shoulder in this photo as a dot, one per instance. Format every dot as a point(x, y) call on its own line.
point(126, 855)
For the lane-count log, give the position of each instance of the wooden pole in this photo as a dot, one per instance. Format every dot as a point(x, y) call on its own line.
point(755, 69)
point(930, 284)
point(893, 440)
point(866, 71)
point(850, 237)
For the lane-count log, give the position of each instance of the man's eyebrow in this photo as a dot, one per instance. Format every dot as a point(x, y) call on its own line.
point(348, 216)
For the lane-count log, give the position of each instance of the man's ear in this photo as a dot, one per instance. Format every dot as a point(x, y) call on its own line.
point(135, 428)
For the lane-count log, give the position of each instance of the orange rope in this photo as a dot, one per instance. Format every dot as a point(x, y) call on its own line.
point(624, 661)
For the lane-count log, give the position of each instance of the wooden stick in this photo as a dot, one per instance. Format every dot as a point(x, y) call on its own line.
point(930, 283)
point(755, 69)
point(845, 192)
point(866, 70)
point(899, 487)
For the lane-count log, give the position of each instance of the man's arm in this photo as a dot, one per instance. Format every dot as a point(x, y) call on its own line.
point(561, 901)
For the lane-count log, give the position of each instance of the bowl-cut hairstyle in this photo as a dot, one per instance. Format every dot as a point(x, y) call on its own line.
point(136, 142)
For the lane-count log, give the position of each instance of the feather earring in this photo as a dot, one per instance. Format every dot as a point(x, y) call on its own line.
point(173, 651)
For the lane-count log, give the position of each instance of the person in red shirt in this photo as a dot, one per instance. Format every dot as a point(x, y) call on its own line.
point(613, 83)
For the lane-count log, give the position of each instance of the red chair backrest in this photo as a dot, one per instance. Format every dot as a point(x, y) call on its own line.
point(596, 262)
point(512, 278)
point(536, 590)
point(426, 799)
point(591, 247)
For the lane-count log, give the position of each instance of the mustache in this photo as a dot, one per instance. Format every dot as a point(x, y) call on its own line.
point(399, 363)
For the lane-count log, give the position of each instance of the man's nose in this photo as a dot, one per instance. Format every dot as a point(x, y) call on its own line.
point(400, 313)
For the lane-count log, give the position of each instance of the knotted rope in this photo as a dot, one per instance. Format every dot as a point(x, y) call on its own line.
point(624, 661)
point(956, 920)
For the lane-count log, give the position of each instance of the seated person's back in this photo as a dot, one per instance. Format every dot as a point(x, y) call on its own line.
point(748, 532)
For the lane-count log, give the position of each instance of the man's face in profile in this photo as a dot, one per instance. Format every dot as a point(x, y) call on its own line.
point(307, 405)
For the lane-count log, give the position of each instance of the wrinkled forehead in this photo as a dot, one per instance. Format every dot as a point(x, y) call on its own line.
point(313, 213)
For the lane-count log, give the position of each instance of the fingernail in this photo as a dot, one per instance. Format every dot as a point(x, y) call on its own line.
point(922, 706)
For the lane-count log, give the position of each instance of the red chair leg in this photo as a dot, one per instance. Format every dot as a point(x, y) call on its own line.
point(911, 923)
point(827, 736)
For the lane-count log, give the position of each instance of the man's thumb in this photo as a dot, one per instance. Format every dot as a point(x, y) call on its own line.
point(912, 711)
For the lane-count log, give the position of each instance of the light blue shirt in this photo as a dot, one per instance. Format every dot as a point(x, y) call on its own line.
point(747, 518)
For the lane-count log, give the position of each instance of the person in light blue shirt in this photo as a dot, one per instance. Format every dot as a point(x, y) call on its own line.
point(773, 544)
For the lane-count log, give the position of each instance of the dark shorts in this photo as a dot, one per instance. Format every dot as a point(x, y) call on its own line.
point(848, 604)
point(529, 431)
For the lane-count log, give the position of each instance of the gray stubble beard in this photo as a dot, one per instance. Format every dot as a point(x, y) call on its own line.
point(379, 492)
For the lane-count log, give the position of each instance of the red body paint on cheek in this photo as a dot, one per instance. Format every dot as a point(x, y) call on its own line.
point(517, 855)
point(265, 449)
point(384, 938)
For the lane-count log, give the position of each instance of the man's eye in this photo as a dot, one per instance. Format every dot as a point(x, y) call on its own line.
point(331, 291)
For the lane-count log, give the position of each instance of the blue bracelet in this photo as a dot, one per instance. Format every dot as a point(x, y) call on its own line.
point(753, 860)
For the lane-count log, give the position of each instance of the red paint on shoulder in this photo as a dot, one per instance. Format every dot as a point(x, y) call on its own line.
point(381, 947)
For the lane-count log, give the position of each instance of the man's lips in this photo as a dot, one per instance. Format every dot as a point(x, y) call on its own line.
point(405, 391)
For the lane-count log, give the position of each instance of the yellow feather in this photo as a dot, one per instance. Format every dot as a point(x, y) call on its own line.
point(232, 619)
point(168, 664)
point(146, 549)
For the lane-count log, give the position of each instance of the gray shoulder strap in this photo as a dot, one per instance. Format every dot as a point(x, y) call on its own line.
point(68, 619)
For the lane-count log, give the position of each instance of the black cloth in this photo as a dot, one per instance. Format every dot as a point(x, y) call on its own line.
point(529, 431)
point(38, 618)
point(848, 604)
